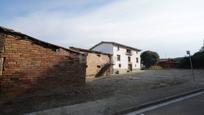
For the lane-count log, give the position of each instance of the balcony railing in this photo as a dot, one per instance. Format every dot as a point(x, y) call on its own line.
point(129, 53)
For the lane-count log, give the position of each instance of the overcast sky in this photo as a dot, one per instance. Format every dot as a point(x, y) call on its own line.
point(169, 27)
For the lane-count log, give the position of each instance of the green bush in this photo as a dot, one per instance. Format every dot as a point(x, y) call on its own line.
point(149, 58)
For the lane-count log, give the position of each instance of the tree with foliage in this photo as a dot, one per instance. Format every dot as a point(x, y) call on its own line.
point(184, 63)
point(149, 58)
point(197, 60)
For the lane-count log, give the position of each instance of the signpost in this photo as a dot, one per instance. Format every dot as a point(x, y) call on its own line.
point(191, 64)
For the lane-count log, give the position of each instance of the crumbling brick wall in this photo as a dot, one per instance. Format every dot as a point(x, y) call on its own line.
point(28, 64)
point(1, 51)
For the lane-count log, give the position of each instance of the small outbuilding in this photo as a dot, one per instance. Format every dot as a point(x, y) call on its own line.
point(98, 63)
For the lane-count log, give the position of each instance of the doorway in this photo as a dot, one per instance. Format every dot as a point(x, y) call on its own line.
point(130, 67)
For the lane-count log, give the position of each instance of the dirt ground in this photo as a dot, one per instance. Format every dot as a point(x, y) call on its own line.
point(100, 88)
point(143, 80)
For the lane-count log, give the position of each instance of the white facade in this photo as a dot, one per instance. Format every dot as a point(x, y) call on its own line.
point(129, 58)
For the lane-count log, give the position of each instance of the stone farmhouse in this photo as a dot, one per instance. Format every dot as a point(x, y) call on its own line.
point(98, 63)
point(125, 58)
point(27, 63)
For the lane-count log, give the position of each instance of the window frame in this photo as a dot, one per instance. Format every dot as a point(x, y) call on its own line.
point(137, 60)
point(129, 59)
point(118, 57)
point(119, 65)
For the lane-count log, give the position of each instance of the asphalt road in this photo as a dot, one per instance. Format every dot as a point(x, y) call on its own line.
point(192, 106)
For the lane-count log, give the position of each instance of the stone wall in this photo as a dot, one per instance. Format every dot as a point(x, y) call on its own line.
point(29, 65)
point(95, 62)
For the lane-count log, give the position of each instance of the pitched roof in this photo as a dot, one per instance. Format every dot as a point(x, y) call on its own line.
point(88, 51)
point(117, 44)
point(24, 36)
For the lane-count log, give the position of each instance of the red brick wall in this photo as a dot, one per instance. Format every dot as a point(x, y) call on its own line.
point(1, 43)
point(30, 65)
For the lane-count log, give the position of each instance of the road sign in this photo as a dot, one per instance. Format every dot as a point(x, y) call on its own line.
point(188, 52)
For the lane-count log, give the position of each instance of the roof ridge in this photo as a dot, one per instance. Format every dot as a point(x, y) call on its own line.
point(88, 50)
point(11, 31)
point(113, 44)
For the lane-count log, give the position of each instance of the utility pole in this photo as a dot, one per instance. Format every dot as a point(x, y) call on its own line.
point(191, 64)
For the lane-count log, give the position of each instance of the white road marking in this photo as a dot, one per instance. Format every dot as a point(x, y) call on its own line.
point(140, 112)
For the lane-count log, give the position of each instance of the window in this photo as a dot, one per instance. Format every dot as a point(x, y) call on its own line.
point(137, 60)
point(119, 65)
point(129, 59)
point(98, 66)
point(98, 55)
point(128, 52)
point(118, 47)
point(118, 57)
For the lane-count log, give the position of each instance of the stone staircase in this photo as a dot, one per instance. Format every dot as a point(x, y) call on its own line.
point(104, 68)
